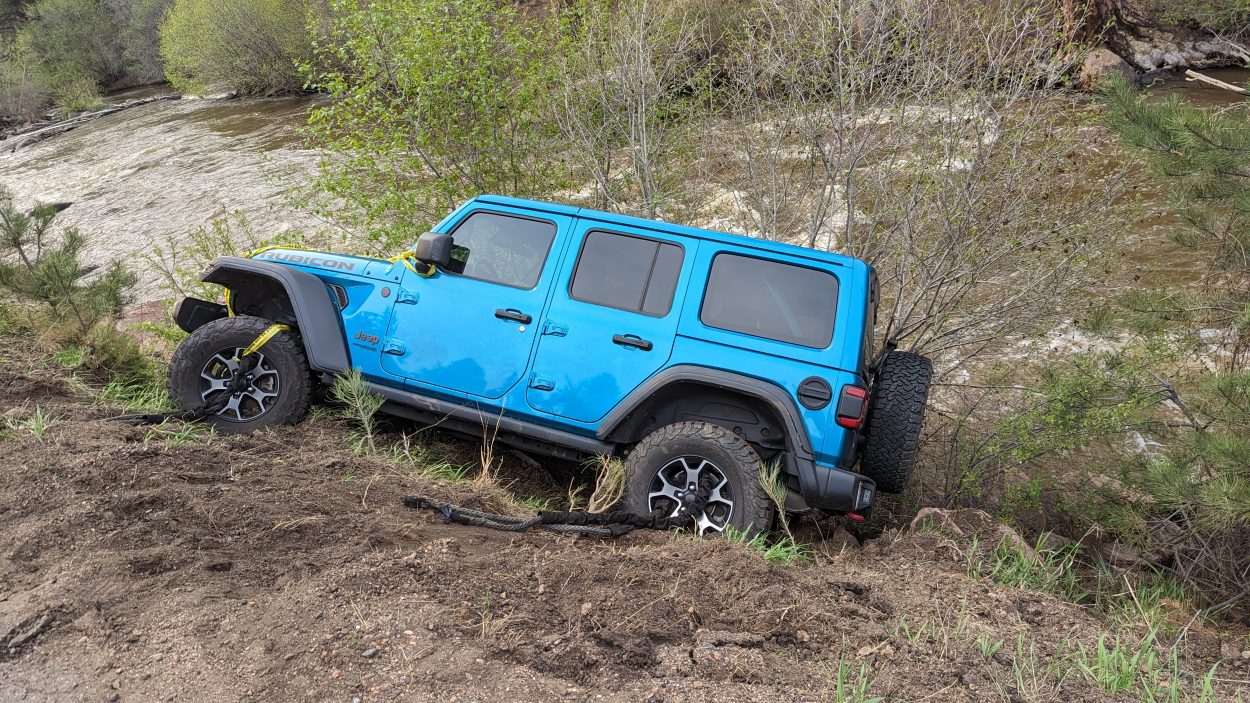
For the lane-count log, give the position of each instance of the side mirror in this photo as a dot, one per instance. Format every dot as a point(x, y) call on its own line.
point(433, 249)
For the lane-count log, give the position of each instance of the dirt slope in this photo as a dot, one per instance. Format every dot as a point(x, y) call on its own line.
point(280, 567)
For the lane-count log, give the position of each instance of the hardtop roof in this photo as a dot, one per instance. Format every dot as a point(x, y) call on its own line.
point(660, 226)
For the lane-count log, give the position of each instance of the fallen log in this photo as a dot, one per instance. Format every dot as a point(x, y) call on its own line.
point(37, 133)
point(1191, 75)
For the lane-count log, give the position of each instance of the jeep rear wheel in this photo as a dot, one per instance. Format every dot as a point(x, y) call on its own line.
point(270, 387)
point(895, 414)
point(667, 468)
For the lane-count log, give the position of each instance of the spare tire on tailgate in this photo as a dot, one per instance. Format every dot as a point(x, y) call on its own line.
point(895, 413)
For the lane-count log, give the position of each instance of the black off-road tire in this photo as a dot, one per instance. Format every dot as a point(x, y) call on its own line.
point(895, 414)
point(283, 352)
point(752, 510)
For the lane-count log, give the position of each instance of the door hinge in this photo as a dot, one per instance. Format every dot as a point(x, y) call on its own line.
point(407, 297)
point(393, 346)
point(540, 383)
point(554, 329)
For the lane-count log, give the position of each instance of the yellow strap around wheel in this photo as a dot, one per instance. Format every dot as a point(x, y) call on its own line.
point(264, 337)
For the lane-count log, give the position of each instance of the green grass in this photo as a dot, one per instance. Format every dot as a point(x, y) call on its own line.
point(1053, 571)
point(852, 685)
point(1116, 665)
point(175, 434)
point(988, 645)
point(534, 504)
point(36, 425)
point(71, 357)
point(164, 331)
point(914, 633)
point(779, 549)
point(1157, 600)
point(1031, 678)
point(1125, 664)
point(137, 397)
point(413, 457)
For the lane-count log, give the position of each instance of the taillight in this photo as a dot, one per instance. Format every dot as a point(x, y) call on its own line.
point(852, 407)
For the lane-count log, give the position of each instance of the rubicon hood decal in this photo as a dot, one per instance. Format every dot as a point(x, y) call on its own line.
point(316, 259)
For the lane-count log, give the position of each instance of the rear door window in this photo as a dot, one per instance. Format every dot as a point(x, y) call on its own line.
point(627, 273)
point(771, 299)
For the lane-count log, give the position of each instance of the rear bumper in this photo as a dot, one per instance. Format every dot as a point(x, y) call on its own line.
point(835, 490)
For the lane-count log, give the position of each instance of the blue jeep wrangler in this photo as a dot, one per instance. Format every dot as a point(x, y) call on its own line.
point(697, 356)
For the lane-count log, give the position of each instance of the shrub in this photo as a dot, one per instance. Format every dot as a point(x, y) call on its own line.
point(74, 40)
point(433, 102)
point(24, 90)
point(252, 46)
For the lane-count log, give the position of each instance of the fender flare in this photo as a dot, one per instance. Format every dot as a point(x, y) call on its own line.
point(766, 391)
point(316, 312)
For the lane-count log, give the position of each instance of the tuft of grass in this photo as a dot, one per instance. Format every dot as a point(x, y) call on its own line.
point(774, 485)
point(164, 331)
point(1130, 665)
point(1053, 571)
point(359, 405)
point(1118, 665)
point(489, 462)
point(534, 504)
point(1031, 678)
point(779, 550)
point(987, 645)
point(71, 356)
point(609, 483)
point(175, 434)
point(913, 633)
point(852, 685)
point(36, 425)
point(148, 397)
point(415, 457)
point(1157, 600)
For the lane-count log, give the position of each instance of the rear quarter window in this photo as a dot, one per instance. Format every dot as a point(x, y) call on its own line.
point(771, 299)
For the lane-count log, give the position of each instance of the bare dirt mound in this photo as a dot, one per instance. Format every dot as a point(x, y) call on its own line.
point(281, 567)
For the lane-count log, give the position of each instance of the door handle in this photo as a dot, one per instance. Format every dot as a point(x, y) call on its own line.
point(631, 340)
point(514, 315)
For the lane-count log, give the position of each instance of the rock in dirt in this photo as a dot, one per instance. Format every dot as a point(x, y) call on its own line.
point(1103, 63)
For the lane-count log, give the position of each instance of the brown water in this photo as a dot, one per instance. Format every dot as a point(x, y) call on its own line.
point(154, 173)
point(151, 174)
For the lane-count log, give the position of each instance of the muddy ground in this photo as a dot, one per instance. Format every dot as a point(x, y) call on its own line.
point(281, 567)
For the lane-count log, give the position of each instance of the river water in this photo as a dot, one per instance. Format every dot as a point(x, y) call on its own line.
point(154, 173)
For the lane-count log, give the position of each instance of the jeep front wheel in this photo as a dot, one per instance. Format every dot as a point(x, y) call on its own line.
point(895, 413)
point(666, 469)
point(270, 387)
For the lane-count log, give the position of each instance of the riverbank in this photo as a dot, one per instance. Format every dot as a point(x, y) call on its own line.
point(169, 564)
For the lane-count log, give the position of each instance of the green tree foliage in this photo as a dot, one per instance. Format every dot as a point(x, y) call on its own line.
point(42, 267)
point(24, 89)
point(253, 46)
point(1205, 157)
point(433, 102)
point(138, 22)
point(75, 39)
point(1201, 490)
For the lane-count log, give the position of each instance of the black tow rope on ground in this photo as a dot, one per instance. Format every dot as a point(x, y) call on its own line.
point(579, 522)
point(238, 381)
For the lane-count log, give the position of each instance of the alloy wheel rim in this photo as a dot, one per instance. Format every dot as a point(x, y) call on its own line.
point(676, 484)
point(254, 399)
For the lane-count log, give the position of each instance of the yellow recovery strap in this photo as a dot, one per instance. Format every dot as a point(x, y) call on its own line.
point(264, 338)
